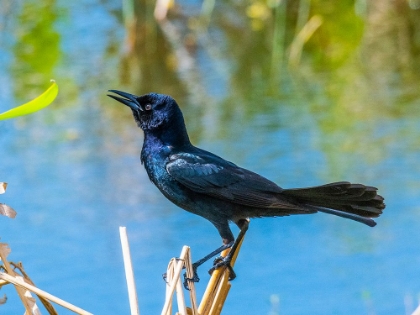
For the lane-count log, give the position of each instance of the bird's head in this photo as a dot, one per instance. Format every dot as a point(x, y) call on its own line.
point(156, 114)
point(150, 111)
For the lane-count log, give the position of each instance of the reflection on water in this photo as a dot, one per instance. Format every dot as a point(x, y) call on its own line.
point(260, 84)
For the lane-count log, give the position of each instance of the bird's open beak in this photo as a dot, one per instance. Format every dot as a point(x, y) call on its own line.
point(127, 99)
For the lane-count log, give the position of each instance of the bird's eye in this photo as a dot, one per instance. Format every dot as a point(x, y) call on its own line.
point(148, 107)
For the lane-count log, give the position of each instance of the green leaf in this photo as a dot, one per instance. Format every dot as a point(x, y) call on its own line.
point(36, 104)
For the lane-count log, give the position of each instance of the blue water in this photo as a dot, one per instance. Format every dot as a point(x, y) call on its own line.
point(74, 177)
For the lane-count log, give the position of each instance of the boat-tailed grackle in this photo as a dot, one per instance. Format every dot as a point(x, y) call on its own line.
point(222, 192)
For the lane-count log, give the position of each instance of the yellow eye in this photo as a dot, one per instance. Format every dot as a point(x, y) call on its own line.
point(148, 107)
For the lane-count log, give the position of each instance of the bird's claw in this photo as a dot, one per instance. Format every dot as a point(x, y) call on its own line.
point(194, 278)
point(218, 260)
point(223, 261)
point(164, 277)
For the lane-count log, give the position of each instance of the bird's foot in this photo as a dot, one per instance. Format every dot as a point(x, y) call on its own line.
point(223, 261)
point(164, 277)
point(194, 278)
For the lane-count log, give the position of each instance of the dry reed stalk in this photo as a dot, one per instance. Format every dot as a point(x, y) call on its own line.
point(129, 273)
point(218, 288)
point(46, 295)
point(4, 251)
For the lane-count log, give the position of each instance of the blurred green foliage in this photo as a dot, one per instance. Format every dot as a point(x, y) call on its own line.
point(36, 49)
point(346, 66)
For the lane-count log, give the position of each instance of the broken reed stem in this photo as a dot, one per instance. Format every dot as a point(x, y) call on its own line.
point(4, 251)
point(129, 274)
point(175, 278)
point(190, 274)
point(46, 295)
point(48, 306)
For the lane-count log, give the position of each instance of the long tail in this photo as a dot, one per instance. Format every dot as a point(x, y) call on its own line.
point(352, 201)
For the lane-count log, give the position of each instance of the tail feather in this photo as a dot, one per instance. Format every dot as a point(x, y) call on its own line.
point(351, 216)
point(353, 201)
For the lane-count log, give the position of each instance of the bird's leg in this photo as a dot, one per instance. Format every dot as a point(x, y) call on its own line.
point(198, 263)
point(212, 254)
point(225, 261)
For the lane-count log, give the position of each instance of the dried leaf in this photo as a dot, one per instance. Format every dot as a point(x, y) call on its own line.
point(7, 211)
point(36, 104)
point(4, 250)
point(3, 187)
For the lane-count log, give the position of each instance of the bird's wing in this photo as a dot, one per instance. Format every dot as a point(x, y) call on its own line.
point(209, 174)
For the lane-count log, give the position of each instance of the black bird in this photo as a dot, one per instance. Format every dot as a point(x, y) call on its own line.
point(218, 190)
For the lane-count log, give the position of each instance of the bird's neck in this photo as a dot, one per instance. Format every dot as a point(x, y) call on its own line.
point(174, 136)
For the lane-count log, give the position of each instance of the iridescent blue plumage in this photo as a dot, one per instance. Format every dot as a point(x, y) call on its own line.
point(220, 191)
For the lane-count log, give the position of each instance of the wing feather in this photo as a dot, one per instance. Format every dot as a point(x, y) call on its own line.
point(209, 174)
